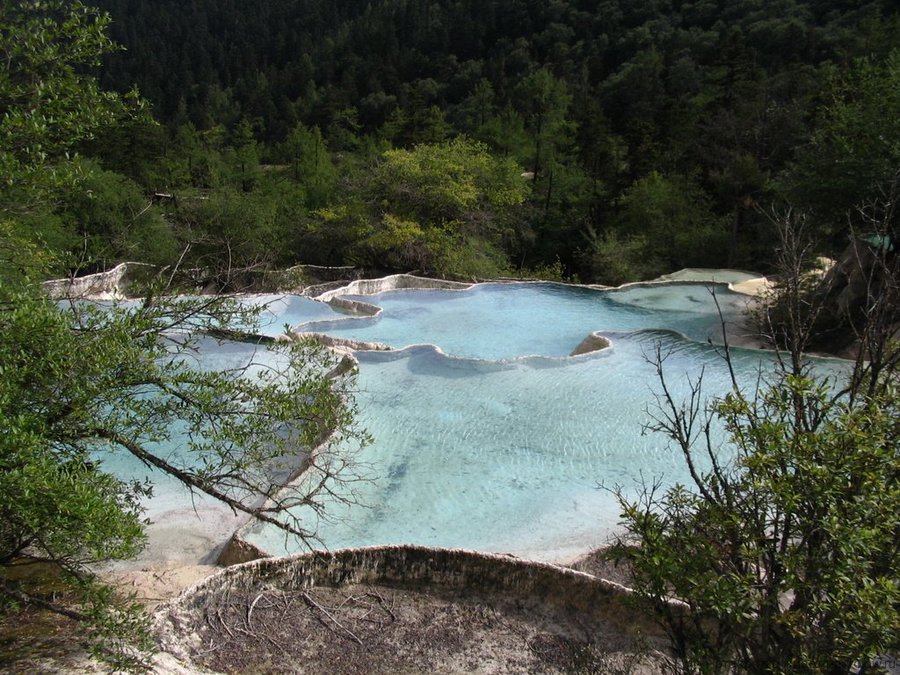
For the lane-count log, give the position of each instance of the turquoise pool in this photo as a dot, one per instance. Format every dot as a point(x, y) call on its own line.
point(487, 434)
point(504, 321)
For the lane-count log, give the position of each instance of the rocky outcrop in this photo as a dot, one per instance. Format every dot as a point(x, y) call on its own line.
point(592, 343)
point(103, 284)
point(417, 565)
point(341, 343)
point(238, 551)
point(111, 284)
point(865, 274)
point(354, 307)
point(861, 269)
point(321, 273)
point(591, 602)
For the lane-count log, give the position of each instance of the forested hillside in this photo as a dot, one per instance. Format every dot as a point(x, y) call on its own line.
point(650, 135)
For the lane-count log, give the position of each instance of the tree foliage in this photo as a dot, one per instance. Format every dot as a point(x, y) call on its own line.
point(674, 214)
point(854, 149)
point(111, 220)
point(48, 104)
point(455, 180)
point(82, 384)
point(593, 100)
point(785, 559)
point(446, 208)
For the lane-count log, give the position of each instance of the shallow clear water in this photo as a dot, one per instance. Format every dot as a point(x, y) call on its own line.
point(279, 311)
point(282, 311)
point(478, 447)
point(507, 457)
point(502, 321)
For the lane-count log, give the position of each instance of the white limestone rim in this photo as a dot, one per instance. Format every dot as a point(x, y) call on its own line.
point(426, 568)
point(752, 284)
point(593, 342)
point(753, 289)
point(353, 306)
point(399, 282)
point(110, 282)
point(101, 286)
point(393, 282)
point(375, 573)
point(341, 344)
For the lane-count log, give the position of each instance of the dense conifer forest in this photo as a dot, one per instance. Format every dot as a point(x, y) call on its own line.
point(605, 141)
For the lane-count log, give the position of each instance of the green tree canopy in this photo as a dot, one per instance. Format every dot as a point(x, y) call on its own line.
point(47, 102)
point(675, 218)
point(310, 164)
point(457, 180)
point(438, 200)
point(856, 148)
point(112, 220)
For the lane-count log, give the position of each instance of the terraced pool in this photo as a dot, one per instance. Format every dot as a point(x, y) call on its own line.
point(488, 435)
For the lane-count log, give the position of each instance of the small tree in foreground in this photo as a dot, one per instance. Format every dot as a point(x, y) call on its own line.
point(785, 558)
point(81, 385)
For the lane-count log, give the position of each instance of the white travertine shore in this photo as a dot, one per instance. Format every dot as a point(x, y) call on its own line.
point(110, 283)
point(393, 282)
point(101, 286)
